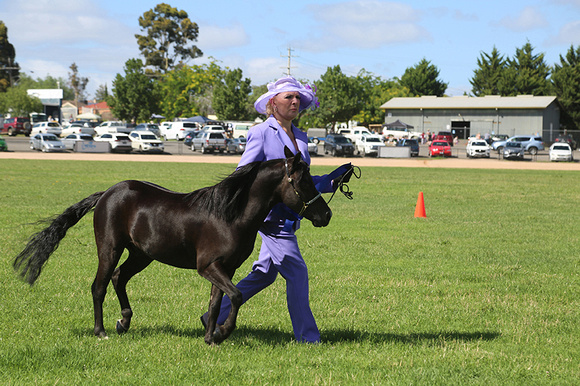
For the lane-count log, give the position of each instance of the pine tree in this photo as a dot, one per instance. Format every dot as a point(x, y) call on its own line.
point(566, 84)
point(487, 77)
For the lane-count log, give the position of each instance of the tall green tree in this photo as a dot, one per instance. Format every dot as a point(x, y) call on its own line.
point(230, 97)
point(18, 103)
point(376, 92)
point(487, 77)
point(77, 83)
point(133, 97)
point(9, 69)
point(566, 84)
point(422, 79)
point(525, 74)
point(341, 97)
point(102, 93)
point(188, 90)
point(168, 39)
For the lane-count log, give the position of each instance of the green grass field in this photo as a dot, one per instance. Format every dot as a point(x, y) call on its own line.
point(485, 290)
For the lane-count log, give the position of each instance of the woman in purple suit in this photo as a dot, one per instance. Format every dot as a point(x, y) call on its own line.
point(279, 253)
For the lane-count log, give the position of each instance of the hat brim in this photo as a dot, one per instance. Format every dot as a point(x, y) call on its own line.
point(262, 101)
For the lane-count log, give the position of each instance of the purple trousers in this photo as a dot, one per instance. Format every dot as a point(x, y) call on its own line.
point(280, 254)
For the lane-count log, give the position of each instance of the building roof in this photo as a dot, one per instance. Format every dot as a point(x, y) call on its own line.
point(465, 102)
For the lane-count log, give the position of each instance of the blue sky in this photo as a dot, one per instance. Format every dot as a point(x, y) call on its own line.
point(383, 37)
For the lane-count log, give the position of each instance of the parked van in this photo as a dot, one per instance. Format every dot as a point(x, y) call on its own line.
point(177, 130)
point(239, 129)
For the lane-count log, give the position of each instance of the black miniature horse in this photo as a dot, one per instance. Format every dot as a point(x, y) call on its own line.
point(212, 230)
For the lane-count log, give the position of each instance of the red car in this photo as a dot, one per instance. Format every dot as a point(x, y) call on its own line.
point(439, 148)
point(444, 136)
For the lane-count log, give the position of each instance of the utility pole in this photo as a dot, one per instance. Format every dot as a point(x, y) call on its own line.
point(9, 70)
point(289, 59)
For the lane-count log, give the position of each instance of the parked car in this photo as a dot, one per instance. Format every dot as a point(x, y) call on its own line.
point(77, 128)
point(216, 128)
point(513, 150)
point(477, 148)
point(46, 142)
point(3, 146)
point(188, 138)
point(112, 127)
point(236, 145)
point(312, 147)
point(16, 125)
point(561, 151)
point(152, 127)
point(70, 140)
point(176, 130)
point(440, 148)
point(369, 145)
point(337, 145)
point(209, 141)
point(412, 143)
point(568, 139)
point(146, 141)
point(355, 133)
point(444, 135)
point(118, 142)
point(531, 143)
point(46, 128)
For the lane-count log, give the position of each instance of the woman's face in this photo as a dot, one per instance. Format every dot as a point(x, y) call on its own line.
point(287, 104)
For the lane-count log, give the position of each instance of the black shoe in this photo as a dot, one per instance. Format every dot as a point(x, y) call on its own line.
point(203, 319)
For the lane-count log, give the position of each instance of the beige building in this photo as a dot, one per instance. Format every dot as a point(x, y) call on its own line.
point(465, 116)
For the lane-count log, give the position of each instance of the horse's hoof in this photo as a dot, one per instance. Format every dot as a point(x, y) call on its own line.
point(120, 329)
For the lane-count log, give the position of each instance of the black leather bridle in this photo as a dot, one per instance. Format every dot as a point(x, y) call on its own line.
point(305, 204)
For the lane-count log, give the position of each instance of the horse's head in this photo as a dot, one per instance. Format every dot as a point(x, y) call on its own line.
point(301, 195)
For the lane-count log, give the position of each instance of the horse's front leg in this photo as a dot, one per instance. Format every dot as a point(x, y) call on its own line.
point(221, 283)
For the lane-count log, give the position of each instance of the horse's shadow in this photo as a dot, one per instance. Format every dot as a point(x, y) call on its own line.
point(275, 337)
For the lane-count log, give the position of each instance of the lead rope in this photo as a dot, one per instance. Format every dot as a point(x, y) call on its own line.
point(343, 187)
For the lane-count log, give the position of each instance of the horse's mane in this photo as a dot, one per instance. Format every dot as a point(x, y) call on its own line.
point(228, 198)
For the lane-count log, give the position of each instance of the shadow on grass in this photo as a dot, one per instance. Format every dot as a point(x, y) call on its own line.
point(274, 337)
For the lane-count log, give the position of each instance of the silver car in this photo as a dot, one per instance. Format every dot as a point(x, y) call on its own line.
point(46, 143)
point(513, 150)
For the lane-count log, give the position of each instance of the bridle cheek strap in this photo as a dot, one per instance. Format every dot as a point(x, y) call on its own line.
point(305, 204)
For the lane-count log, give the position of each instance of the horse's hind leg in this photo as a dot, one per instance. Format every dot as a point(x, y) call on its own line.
point(135, 263)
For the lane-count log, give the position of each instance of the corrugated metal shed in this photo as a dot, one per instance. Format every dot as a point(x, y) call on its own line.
point(465, 102)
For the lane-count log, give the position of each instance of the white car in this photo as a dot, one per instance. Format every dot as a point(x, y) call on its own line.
point(312, 147)
point(176, 130)
point(111, 127)
point(46, 142)
point(369, 144)
point(118, 142)
point(477, 148)
point(213, 128)
point(70, 140)
point(143, 140)
point(561, 151)
point(47, 128)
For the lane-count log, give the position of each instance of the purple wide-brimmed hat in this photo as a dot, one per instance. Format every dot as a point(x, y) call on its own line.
point(308, 97)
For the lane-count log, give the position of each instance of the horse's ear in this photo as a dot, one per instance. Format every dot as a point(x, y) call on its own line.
point(287, 152)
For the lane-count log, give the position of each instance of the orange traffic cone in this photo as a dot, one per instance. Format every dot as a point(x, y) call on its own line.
point(420, 208)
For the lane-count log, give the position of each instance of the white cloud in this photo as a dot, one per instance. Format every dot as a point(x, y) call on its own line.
point(528, 19)
point(362, 24)
point(568, 34)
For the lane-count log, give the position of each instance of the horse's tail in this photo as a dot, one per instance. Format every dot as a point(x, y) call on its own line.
point(41, 245)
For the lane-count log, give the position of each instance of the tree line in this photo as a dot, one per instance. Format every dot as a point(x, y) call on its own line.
point(163, 82)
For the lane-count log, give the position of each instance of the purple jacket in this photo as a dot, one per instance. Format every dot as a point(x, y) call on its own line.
point(266, 142)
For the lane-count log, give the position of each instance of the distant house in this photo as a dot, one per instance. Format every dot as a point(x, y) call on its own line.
point(465, 116)
point(101, 108)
